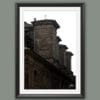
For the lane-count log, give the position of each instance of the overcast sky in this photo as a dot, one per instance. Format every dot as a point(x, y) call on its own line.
point(69, 20)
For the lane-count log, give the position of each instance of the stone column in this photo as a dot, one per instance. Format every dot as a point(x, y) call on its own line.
point(57, 47)
point(67, 59)
point(45, 38)
point(62, 49)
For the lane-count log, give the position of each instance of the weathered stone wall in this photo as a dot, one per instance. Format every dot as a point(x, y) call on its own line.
point(29, 39)
point(57, 48)
point(39, 76)
point(29, 35)
point(36, 73)
point(62, 49)
point(45, 39)
point(67, 59)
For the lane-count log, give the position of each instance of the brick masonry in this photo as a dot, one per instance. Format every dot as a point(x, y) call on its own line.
point(47, 64)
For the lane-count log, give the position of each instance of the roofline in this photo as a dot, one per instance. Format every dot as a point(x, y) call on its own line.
point(45, 22)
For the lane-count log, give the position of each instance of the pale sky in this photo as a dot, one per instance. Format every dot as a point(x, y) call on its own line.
point(69, 20)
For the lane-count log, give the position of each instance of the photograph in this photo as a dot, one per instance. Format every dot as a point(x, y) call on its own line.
point(50, 50)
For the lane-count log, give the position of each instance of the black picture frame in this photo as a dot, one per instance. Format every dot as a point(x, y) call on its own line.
point(17, 50)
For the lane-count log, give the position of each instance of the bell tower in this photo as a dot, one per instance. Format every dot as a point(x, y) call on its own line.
point(45, 38)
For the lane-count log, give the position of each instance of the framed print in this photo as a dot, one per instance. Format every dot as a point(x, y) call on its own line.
point(50, 50)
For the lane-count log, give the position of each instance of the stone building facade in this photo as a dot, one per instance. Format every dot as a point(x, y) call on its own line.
point(47, 63)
